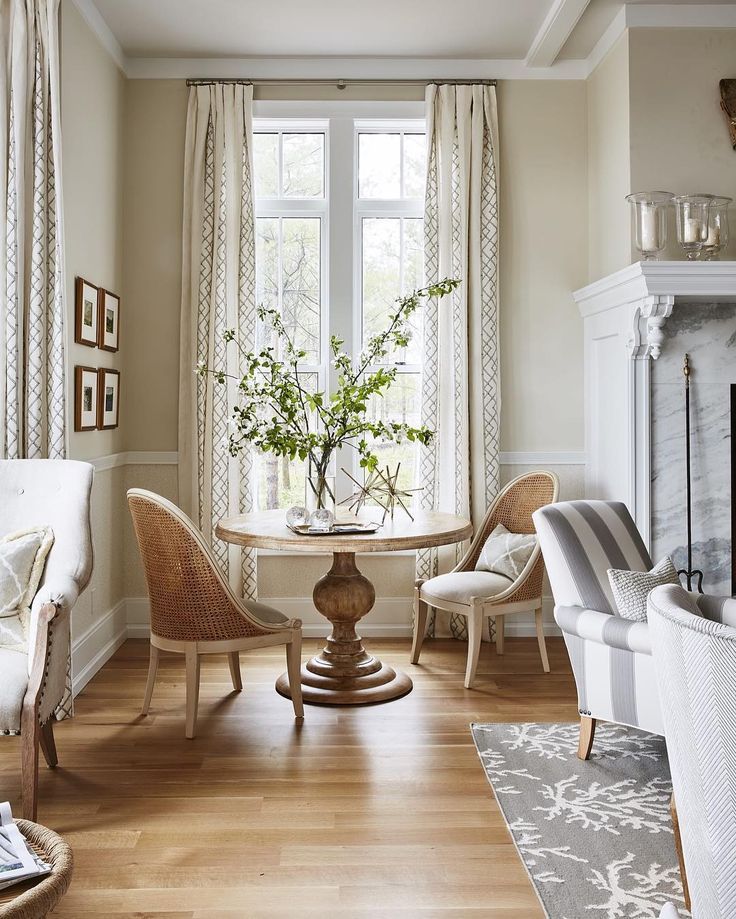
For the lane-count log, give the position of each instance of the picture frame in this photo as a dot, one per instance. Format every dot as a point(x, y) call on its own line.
point(108, 398)
point(86, 398)
point(86, 313)
point(108, 321)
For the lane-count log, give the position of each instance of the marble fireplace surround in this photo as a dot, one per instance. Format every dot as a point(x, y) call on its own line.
point(625, 319)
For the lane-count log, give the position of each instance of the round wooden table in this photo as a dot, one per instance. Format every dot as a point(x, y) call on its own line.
point(344, 673)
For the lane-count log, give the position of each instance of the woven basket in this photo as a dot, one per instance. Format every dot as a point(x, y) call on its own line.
point(36, 899)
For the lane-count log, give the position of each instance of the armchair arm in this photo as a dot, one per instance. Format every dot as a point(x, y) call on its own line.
point(38, 657)
point(48, 640)
point(717, 609)
point(603, 628)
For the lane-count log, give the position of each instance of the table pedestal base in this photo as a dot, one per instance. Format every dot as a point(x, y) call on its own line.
point(344, 673)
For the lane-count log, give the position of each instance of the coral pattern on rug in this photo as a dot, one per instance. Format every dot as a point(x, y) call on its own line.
point(595, 837)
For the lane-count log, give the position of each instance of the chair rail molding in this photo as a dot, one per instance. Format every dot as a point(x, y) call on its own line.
point(624, 315)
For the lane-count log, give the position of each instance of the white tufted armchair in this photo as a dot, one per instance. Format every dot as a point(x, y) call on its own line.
point(53, 493)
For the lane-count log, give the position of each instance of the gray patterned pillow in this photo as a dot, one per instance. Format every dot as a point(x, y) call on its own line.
point(631, 588)
point(505, 552)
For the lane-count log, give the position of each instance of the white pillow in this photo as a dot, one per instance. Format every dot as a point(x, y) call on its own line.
point(632, 588)
point(22, 560)
point(506, 553)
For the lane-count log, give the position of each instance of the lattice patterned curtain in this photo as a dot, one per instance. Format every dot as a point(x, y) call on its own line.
point(32, 393)
point(218, 293)
point(459, 471)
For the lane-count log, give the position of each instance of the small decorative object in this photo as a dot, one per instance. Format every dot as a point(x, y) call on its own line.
point(108, 399)
point(109, 320)
point(717, 228)
point(86, 314)
point(649, 221)
point(297, 516)
point(278, 413)
point(728, 104)
point(383, 489)
point(693, 213)
point(322, 519)
point(690, 573)
point(85, 398)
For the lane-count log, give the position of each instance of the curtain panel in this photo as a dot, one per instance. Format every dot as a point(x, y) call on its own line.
point(218, 293)
point(32, 379)
point(459, 470)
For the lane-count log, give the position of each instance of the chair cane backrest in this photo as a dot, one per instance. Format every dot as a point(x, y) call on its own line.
point(190, 600)
point(695, 662)
point(580, 541)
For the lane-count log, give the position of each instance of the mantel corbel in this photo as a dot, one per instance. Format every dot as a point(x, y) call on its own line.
point(649, 317)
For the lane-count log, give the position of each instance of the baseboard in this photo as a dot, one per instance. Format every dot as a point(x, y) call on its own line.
point(130, 618)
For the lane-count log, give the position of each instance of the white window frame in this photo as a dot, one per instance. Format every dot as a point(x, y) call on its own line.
point(341, 214)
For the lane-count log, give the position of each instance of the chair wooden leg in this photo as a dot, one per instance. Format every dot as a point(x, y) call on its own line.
point(30, 739)
point(234, 661)
point(540, 638)
point(475, 632)
point(587, 734)
point(294, 668)
point(192, 665)
point(680, 853)
point(420, 624)
point(152, 670)
point(48, 744)
point(499, 634)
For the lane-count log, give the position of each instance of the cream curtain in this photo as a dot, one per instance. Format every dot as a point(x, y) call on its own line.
point(32, 396)
point(218, 293)
point(459, 471)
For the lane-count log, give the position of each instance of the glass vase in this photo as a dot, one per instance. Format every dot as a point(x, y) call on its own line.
point(717, 228)
point(320, 486)
point(649, 221)
point(693, 212)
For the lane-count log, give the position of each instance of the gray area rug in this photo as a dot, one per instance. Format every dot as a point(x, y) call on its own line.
point(595, 837)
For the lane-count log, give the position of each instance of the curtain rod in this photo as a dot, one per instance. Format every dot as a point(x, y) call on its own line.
point(340, 84)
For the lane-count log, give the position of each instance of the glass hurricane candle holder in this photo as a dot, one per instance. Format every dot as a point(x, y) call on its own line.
point(649, 221)
point(717, 239)
point(692, 212)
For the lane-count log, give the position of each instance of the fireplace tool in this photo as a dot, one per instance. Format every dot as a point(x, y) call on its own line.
point(690, 573)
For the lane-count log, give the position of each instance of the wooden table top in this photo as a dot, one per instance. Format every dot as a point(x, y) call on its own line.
point(268, 530)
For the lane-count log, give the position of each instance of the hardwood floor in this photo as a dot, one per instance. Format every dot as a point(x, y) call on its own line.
point(378, 811)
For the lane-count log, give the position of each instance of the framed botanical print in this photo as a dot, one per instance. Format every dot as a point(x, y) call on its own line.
point(108, 398)
point(86, 313)
point(108, 320)
point(85, 398)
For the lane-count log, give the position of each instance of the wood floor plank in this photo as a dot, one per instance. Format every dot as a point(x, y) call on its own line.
point(360, 813)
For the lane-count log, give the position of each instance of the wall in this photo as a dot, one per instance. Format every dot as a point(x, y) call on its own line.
point(609, 180)
point(679, 136)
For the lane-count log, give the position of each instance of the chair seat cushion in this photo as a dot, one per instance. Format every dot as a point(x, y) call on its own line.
point(13, 685)
point(265, 613)
point(460, 586)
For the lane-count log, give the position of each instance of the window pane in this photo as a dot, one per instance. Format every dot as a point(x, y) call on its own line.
point(415, 164)
point(379, 165)
point(266, 165)
point(413, 278)
point(304, 165)
point(267, 270)
point(400, 404)
point(300, 274)
point(381, 272)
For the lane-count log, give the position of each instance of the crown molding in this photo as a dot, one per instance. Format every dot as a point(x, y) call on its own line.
point(680, 16)
point(104, 33)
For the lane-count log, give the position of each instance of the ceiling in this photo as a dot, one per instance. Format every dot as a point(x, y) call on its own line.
point(532, 33)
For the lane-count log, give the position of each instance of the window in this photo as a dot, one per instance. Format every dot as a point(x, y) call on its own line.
point(339, 204)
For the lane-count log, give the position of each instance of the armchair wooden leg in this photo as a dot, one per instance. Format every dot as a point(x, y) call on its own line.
point(475, 632)
point(234, 661)
point(152, 670)
point(30, 737)
point(538, 622)
point(420, 624)
point(587, 734)
point(192, 665)
point(680, 853)
point(294, 670)
point(48, 744)
point(499, 634)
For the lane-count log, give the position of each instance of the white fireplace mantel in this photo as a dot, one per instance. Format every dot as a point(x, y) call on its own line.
point(623, 318)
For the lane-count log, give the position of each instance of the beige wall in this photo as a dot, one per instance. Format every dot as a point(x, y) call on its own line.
point(679, 136)
point(609, 243)
point(92, 102)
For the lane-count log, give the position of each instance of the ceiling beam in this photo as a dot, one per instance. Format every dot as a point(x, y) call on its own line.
point(557, 27)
